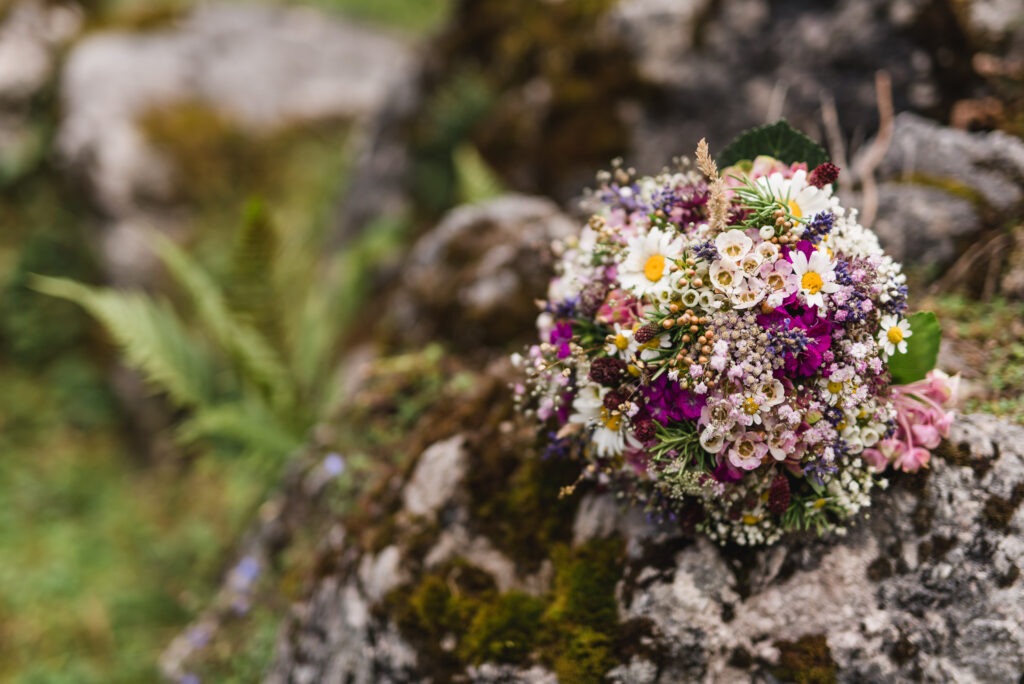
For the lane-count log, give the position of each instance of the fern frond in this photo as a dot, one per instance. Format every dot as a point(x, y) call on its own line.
point(246, 424)
point(152, 337)
point(251, 291)
point(258, 360)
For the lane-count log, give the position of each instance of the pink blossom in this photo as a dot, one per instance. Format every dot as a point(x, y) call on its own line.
point(921, 422)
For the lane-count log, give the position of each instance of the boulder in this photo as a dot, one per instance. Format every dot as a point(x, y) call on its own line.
point(926, 586)
point(550, 92)
point(940, 186)
point(258, 68)
point(32, 33)
point(474, 279)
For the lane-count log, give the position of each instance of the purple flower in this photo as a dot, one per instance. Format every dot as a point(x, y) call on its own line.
point(818, 331)
point(561, 336)
point(668, 402)
point(727, 472)
point(333, 464)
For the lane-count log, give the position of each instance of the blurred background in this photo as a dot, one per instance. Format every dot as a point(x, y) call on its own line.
point(207, 211)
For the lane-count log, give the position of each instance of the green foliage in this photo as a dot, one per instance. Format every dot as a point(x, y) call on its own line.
point(154, 339)
point(989, 338)
point(103, 561)
point(476, 180)
point(411, 16)
point(237, 386)
point(922, 349)
point(779, 140)
point(450, 116)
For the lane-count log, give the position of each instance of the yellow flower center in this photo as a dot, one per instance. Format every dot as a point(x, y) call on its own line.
point(895, 335)
point(835, 387)
point(820, 503)
point(654, 268)
point(733, 251)
point(776, 281)
point(612, 421)
point(811, 282)
point(750, 406)
point(794, 209)
point(725, 279)
point(621, 342)
point(749, 519)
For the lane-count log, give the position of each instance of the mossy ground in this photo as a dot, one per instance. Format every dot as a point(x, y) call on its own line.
point(989, 337)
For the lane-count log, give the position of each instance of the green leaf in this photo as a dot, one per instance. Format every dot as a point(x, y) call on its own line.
point(249, 424)
point(779, 140)
point(922, 349)
point(153, 338)
point(258, 360)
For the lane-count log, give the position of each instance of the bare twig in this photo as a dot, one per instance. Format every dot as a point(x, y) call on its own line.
point(876, 152)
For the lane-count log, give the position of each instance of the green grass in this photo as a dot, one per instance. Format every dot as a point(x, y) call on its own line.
point(990, 338)
point(104, 557)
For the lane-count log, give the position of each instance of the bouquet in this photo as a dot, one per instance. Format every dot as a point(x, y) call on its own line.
point(732, 348)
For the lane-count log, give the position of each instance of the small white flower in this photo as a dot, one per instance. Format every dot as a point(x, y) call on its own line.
point(622, 344)
point(733, 244)
point(725, 275)
point(893, 334)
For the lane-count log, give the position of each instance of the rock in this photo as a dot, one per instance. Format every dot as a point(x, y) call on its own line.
point(939, 187)
point(921, 225)
point(473, 279)
point(552, 92)
point(926, 587)
point(31, 35)
point(259, 67)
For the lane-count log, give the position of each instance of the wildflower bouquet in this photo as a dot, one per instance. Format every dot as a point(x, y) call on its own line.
point(733, 347)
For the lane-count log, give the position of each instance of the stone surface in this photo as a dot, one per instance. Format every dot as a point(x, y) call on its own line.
point(260, 67)
point(926, 587)
point(939, 186)
point(567, 86)
point(32, 33)
point(474, 278)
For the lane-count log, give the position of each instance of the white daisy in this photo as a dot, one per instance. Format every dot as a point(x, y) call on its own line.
point(893, 334)
point(646, 268)
point(802, 200)
point(622, 344)
point(817, 276)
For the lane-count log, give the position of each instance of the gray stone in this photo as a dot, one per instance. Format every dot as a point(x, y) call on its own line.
point(926, 586)
point(474, 278)
point(921, 224)
point(261, 67)
point(939, 186)
point(988, 165)
point(32, 33)
point(438, 473)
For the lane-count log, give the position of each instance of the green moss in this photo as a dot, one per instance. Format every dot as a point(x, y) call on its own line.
point(988, 337)
point(516, 502)
point(585, 580)
point(808, 660)
point(951, 186)
point(584, 657)
point(504, 631)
